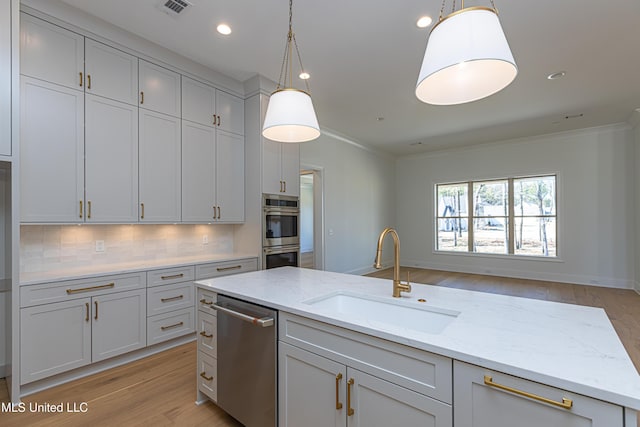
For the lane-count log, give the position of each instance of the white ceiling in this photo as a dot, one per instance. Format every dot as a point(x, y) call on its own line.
point(364, 57)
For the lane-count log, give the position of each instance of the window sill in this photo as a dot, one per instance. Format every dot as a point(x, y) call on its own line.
point(500, 256)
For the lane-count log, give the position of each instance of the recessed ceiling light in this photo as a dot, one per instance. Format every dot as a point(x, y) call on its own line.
point(424, 21)
point(304, 75)
point(558, 75)
point(379, 119)
point(224, 29)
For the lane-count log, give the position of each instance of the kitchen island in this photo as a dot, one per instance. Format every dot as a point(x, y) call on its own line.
point(564, 361)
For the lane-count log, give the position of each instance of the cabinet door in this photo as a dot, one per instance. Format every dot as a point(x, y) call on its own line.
point(159, 167)
point(159, 89)
point(311, 389)
point(111, 147)
point(291, 169)
point(119, 323)
point(51, 53)
point(480, 405)
point(198, 102)
point(198, 172)
point(51, 152)
point(55, 338)
point(5, 78)
point(379, 403)
point(271, 167)
point(230, 176)
point(111, 73)
point(231, 111)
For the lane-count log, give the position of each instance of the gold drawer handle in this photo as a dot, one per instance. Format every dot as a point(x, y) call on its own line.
point(172, 298)
point(206, 335)
point(338, 403)
point(566, 403)
point(175, 276)
point(205, 302)
point(350, 410)
point(235, 267)
point(203, 374)
point(177, 325)
point(92, 288)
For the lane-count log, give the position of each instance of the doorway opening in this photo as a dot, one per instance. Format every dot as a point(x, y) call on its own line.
point(311, 218)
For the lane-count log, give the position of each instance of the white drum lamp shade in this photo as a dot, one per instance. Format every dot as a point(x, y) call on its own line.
point(290, 117)
point(467, 58)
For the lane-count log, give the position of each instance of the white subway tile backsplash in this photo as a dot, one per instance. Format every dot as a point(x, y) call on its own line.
point(57, 247)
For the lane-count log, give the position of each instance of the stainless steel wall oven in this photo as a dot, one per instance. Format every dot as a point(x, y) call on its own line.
point(280, 231)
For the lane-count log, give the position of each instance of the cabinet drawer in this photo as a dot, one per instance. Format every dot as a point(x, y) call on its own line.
point(417, 370)
point(480, 404)
point(45, 293)
point(226, 268)
point(205, 298)
point(163, 327)
point(162, 299)
point(207, 333)
point(208, 375)
point(170, 275)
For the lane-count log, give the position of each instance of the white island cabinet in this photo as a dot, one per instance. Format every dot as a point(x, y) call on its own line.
point(500, 361)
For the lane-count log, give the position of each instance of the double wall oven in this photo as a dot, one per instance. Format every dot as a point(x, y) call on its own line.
point(280, 231)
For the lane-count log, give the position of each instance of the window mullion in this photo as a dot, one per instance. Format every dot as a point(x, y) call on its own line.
point(511, 220)
point(470, 216)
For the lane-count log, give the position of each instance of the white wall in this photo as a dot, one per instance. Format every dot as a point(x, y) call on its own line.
point(636, 135)
point(595, 170)
point(358, 200)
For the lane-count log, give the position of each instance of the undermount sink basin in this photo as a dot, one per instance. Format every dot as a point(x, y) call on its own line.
point(383, 312)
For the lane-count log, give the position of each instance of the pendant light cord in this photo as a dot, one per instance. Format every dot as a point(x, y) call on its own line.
point(286, 69)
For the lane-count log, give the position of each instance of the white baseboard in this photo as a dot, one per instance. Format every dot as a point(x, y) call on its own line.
point(94, 368)
point(605, 282)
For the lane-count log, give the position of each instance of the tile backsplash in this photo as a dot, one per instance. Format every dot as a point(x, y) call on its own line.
point(56, 247)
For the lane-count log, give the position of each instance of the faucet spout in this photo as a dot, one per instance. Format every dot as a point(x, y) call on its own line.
point(398, 286)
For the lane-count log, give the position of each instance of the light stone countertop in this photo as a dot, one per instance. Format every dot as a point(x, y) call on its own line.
point(567, 346)
point(128, 267)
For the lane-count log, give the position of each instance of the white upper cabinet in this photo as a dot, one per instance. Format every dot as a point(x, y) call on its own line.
point(5, 78)
point(111, 73)
point(209, 106)
point(111, 160)
point(51, 152)
point(51, 53)
point(159, 167)
point(230, 177)
point(159, 89)
point(280, 168)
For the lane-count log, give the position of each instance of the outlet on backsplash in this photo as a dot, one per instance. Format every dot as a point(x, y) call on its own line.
point(205, 239)
point(99, 245)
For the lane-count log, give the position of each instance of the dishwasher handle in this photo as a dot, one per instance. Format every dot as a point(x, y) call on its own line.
point(264, 322)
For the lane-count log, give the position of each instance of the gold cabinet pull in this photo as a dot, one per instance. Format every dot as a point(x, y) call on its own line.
point(176, 325)
point(214, 120)
point(234, 267)
point(91, 288)
point(218, 120)
point(172, 298)
point(350, 410)
point(173, 276)
point(89, 209)
point(566, 403)
point(80, 208)
point(142, 211)
point(203, 374)
point(80, 78)
point(218, 212)
point(206, 335)
point(88, 81)
point(141, 97)
point(86, 304)
point(338, 403)
point(205, 302)
point(285, 186)
point(96, 316)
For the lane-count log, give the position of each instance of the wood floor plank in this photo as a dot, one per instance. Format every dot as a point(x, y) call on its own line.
point(160, 390)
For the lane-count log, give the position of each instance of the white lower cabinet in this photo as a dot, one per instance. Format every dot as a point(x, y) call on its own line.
point(66, 335)
point(351, 379)
point(485, 398)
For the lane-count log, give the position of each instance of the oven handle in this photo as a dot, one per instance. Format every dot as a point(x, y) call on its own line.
point(281, 250)
point(284, 211)
point(264, 322)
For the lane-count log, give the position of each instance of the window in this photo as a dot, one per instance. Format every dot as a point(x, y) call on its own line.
point(514, 216)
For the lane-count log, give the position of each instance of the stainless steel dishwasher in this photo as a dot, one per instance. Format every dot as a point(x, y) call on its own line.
point(247, 361)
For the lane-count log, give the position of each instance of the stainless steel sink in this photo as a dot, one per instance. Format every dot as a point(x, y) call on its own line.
point(386, 313)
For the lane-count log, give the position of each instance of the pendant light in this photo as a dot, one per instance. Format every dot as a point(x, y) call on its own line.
point(467, 57)
point(290, 115)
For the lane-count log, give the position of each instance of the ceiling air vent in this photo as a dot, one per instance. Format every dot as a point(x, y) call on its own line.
point(175, 7)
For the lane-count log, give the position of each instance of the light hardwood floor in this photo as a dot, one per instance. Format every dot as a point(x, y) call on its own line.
point(160, 390)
